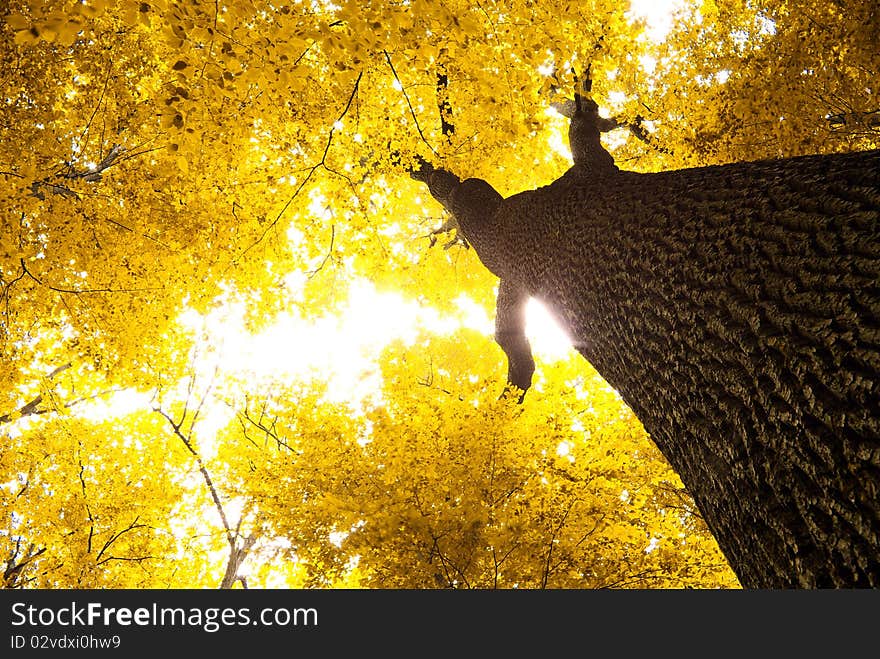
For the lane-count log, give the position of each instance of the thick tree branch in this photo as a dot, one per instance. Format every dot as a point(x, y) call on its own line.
point(94, 173)
point(584, 110)
point(510, 322)
point(91, 174)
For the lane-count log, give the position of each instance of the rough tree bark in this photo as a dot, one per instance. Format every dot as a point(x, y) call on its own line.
point(736, 309)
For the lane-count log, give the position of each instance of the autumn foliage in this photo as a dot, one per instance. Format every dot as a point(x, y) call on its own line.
point(232, 349)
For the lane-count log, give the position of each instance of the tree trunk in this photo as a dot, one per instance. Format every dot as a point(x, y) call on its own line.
point(736, 309)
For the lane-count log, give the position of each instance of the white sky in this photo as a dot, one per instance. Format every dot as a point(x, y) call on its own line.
point(344, 348)
point(657, 14)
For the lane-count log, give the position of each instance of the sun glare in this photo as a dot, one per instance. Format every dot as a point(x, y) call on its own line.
point(549, 341)
point(343, 349)
point(340, 349)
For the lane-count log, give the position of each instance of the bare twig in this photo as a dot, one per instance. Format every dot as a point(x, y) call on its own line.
point(203, 470)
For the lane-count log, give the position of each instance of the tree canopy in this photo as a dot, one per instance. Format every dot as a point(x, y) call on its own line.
point(238, 345)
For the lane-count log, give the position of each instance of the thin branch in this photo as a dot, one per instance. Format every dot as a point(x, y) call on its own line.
point(206, 476)
point(303, 53)
point(259, 425)
point(82, 482)
point(499, 562)
point(130, 230)
point(82, 399)
point(630, 579)
point(82, 290)
point(547, 569)
point(113, 538)
point(31, 406)
point(205, 395)
point(326, 256)
point(445, 562)
point(311, 171)
point(237, 555)
point(330, 135)
point(408, 103)
point(131, 153)
point(97, 107)
point(447, 128)
point(591, 531)
point(14, 568)
point(135, 559)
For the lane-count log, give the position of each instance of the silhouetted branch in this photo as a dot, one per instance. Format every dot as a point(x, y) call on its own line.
point(237, 550)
